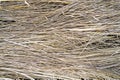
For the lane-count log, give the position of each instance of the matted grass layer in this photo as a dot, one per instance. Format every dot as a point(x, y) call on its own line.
point(60, 40)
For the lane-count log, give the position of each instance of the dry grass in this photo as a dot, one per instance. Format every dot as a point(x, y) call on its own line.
point(60, 40)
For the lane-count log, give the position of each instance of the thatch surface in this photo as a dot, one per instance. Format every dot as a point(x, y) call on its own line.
point(60, 39)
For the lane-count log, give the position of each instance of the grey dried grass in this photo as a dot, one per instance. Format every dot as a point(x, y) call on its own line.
point(62, 40)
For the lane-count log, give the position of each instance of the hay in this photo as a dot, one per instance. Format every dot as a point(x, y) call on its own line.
point(61, 40)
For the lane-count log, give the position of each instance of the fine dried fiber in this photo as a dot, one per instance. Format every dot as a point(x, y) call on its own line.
point(60, 40)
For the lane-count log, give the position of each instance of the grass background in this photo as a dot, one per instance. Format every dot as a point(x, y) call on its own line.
point(60, 40)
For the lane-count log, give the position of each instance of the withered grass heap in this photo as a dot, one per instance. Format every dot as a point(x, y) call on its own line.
point(61, 40)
